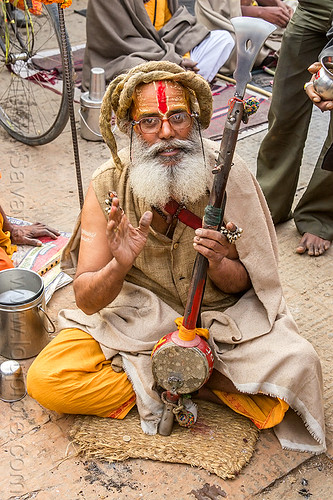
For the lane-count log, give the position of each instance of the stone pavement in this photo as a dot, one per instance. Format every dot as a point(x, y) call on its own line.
point(36, 457)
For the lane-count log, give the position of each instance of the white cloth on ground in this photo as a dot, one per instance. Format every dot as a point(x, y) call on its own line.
point(212, 53)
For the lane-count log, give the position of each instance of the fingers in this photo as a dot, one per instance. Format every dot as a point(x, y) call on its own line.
point(189, 65)
point(39, 229)
point(312, 94)
point(314, 67)
point(325, 105)
point(44, 230)
point(114, 224)
point(316, 99)
point(34, 242)
point(290, 11)
point(116, 213)
point(231, 226)
point(145, 222)
point(210, 243)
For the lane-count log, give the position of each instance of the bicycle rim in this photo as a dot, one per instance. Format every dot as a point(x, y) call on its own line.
point(33, 107)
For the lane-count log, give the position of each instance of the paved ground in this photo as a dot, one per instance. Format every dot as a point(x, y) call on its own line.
point(36, 458)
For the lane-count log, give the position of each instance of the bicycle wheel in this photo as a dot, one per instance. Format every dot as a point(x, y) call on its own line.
point(33, 107)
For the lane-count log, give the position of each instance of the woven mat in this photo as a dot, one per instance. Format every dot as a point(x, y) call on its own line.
point(221, 441)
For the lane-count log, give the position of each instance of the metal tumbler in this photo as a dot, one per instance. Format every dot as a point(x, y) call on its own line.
point(323, 80)
point(12, 386)
point(90, 108)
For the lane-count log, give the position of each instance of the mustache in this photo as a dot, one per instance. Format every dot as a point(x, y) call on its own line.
point(186, 146)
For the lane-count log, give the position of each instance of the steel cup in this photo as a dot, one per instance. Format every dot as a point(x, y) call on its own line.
point(323, 81)
point(12, 386)
point(97, 84)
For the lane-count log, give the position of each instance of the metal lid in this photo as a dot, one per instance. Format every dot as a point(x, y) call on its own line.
point(89, 103)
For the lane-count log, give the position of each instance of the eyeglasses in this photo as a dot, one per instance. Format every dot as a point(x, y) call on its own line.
point(153, 124)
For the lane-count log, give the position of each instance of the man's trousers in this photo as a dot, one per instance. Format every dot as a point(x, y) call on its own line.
point(281, 152)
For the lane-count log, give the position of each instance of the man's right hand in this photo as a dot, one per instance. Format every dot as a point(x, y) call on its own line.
point(312, 94)
point(189, 65)
point(108, 249)
point(276, 15)
point(273, 11)
point(125, 241)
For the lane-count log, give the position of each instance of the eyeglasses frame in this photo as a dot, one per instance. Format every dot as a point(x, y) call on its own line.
point(137, 122)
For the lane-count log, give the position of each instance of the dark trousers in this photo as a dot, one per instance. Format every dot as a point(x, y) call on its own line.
point(281, 151)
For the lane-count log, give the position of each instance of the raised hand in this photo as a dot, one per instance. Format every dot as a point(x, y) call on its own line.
point(125, 241)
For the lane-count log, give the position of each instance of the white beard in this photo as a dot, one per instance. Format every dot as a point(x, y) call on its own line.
point(153, 180)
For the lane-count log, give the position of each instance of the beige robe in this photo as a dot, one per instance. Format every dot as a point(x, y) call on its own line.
point(254, 339)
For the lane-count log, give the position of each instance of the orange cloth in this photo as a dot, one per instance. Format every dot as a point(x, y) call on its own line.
point(6, 248)
point(264, 411)
point(5, 262)
point(185, 334)
point(71, 375)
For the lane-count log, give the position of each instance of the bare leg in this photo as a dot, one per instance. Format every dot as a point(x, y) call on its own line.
point(312, 244)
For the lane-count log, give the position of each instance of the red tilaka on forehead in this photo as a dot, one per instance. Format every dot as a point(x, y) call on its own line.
point(161, 97)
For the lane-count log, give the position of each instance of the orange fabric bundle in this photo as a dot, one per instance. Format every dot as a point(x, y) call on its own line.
point(64, 3)
point(187, 335)
point(6, 248)
point(21, 4)
point(37, 5)
point(264, 411)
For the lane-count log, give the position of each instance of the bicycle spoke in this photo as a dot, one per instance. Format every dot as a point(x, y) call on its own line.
point(30, 103)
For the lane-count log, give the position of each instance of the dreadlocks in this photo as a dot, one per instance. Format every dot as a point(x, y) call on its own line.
point(119, 97)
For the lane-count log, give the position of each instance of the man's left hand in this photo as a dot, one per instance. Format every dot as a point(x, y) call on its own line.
point(28, 235)
point(213, 245)
point(224, 269)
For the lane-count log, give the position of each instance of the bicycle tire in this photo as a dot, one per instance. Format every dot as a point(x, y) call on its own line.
point(29, 111)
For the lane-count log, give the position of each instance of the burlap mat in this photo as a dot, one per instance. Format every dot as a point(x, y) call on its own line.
point(221, 441)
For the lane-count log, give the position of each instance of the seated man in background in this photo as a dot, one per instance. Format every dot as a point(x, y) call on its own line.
point(121, 35)
point(13, 234)
point(134, 271)
point(216, 15)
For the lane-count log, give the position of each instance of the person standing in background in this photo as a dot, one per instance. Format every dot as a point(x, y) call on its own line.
point(280, 154)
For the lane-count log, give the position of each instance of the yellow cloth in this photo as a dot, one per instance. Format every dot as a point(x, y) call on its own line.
point(264, 411)
point(185, 334)
point(71, 375)
point(6, 248)
point(163, 13)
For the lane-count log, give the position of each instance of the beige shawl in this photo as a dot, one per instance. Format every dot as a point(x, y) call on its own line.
point(255, 341)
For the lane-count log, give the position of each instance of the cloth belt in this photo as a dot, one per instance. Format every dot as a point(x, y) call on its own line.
point(185, 216)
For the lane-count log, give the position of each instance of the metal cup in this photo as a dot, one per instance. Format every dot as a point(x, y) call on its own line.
point(12, 386)
point(323, 81)
point(97, 84)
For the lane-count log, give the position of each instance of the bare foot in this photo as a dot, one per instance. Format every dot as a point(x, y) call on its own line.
point(314, 245)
